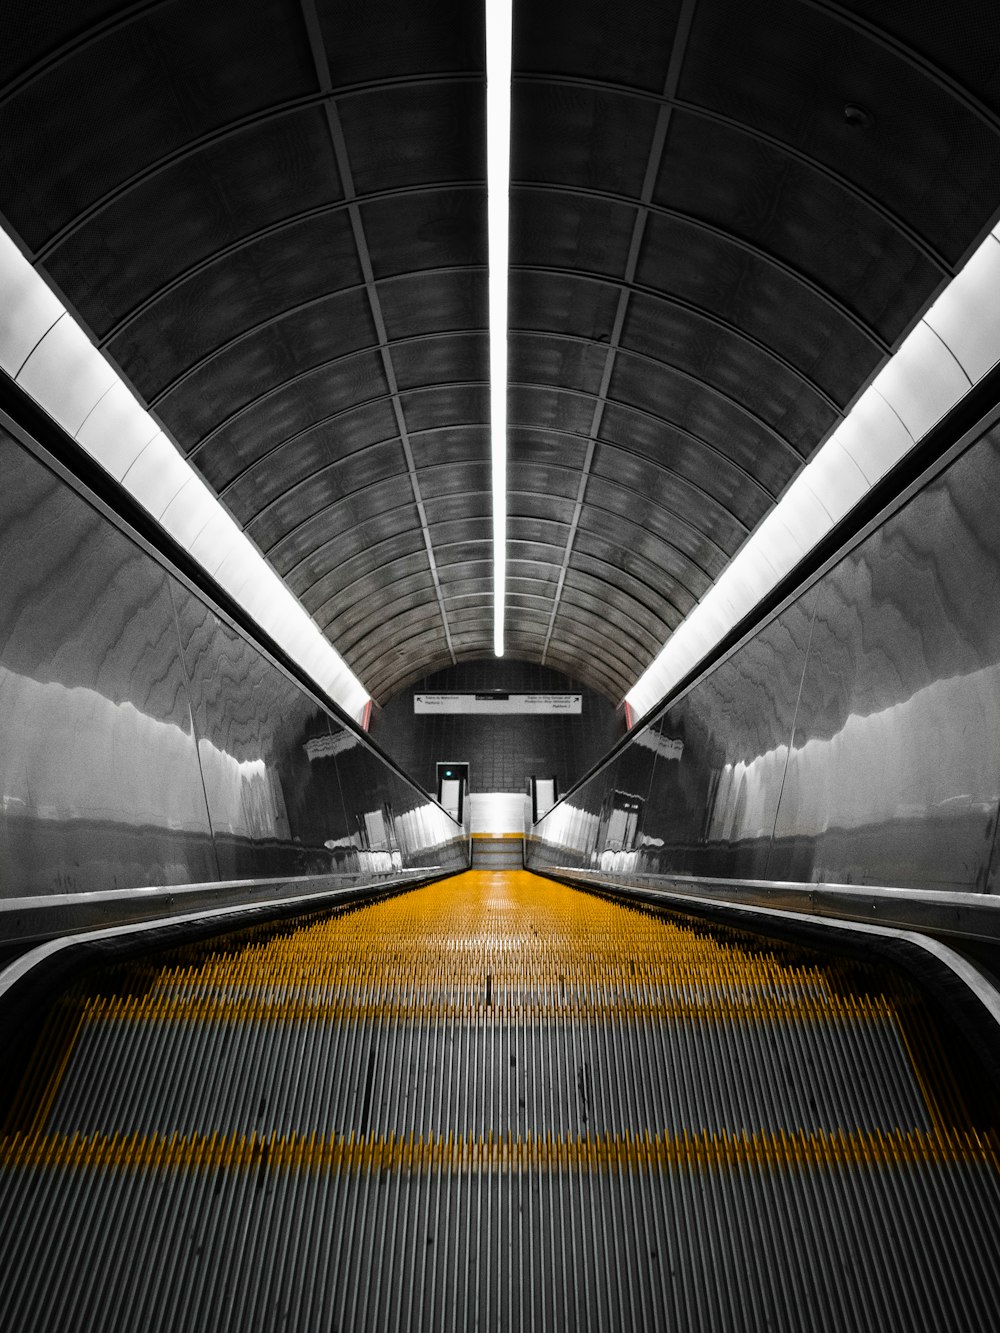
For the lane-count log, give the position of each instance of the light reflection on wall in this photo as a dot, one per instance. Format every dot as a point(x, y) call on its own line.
point(71, 753)
point(893, 765)
point(889, 765)
point(744, 798)
point(247, 799)
point(571, 826)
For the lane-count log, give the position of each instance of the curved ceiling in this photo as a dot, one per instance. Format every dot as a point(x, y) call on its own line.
point(272, 218)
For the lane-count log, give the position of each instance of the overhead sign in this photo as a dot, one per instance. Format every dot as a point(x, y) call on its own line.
point(495, 701)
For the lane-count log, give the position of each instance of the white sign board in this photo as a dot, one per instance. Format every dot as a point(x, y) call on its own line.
point(498, 703)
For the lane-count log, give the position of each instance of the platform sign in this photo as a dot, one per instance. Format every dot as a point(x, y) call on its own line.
point(495, 701)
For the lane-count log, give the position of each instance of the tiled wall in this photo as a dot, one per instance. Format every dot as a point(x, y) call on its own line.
point(504, 750)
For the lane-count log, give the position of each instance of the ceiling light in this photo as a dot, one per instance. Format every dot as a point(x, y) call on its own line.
point(498, 47)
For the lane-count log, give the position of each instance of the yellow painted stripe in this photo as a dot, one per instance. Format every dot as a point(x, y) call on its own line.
point(473, 1009)
point(761, 1152)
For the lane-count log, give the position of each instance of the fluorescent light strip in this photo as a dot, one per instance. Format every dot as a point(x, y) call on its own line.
point(498, 58)
point(950, 349)
point(45, 350)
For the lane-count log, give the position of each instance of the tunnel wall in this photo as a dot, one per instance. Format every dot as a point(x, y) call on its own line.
point(503, 750)
point(854, 739)
point(145, 742)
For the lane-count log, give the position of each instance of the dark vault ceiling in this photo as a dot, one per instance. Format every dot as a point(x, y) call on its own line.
point(272, 217)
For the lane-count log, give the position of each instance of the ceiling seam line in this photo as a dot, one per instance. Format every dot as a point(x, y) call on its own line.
point(323, 365)
point(933, 73)
point(737, 242)
point(849, 187)
point(678, 594)
point(325, 421)
point(274, 229)
point(688, 561)
point(393, 384)
point(125, 18)
point(276, 389)
point(253, 330)
point(75, 45)
point(653, 162)
point(930, 252)
point(679, 476)
point(375, 652)
point(688, 308)
point(673, 602)
point(819, 392)
point(190, 149)
point(268, 456)
point(679, 520)
point(711, 390)
point(641, 412)
point(976, 108)
point(301, 103)
point(318, 48)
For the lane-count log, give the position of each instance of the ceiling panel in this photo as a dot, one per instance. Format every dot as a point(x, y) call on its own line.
point(719, 230)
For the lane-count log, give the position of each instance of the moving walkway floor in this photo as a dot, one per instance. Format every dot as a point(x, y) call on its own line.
point(495, 1102)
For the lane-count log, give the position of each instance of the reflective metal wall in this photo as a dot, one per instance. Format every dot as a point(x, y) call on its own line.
point(854, 740)
point(144, 742)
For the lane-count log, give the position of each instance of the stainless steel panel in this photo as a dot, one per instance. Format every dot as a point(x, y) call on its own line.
point(648, 560)
point(894, 776)
point(721, 756)
point(716, 761)
point(663, 541)
point(379, 610)
point(561, 302)
point(99, 778)
point(460, 556)
point(787, 191)
point(455, 479)
point(853, 740)
point(552, 448)
point(566, 231)
point(753, 445)
point(390, 629)
point(540, 407)
point(580, 127)
point(445, 404)
point(444, 118)
point(268, 756)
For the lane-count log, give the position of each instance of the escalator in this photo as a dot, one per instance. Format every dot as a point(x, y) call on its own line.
point(496, 1102)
